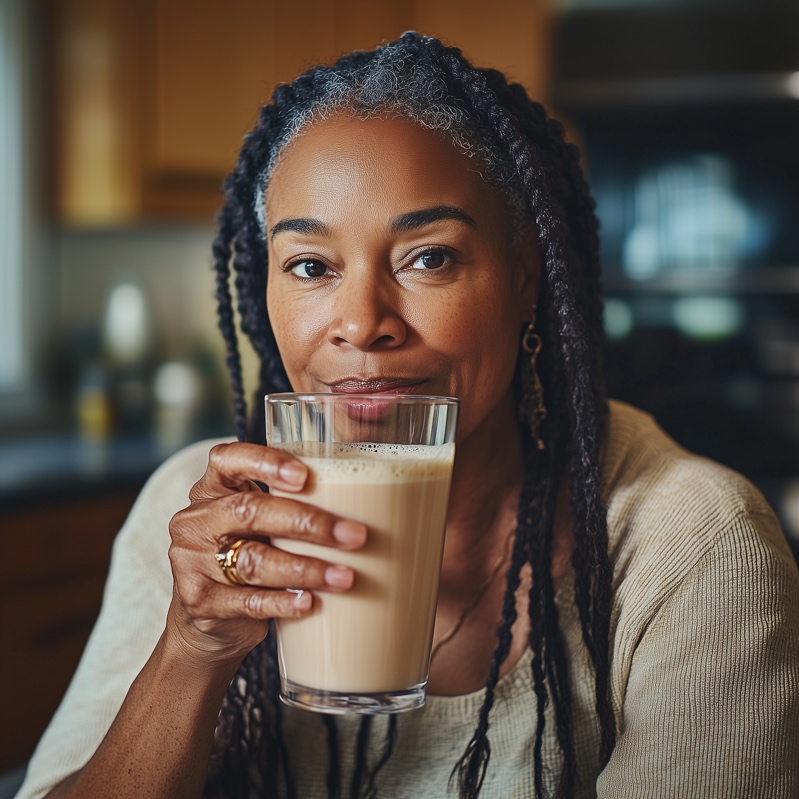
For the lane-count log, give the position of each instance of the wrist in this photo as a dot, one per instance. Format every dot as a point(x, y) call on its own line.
point(187, 650)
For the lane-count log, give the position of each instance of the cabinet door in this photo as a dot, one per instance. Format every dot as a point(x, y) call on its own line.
point(50, 600)
point(205, 67)
point(213, 65)
point(216, 64)
point(92, 50)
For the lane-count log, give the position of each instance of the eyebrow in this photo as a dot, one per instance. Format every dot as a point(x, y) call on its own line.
point(419, 219)
point(413, 220)
point(308, 227)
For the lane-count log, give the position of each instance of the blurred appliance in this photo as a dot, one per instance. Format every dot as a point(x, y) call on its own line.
point(689, 123)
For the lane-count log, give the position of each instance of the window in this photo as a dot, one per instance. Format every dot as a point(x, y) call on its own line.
point(12, 323)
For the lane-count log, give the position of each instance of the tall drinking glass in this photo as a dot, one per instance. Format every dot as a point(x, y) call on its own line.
point(385, 461)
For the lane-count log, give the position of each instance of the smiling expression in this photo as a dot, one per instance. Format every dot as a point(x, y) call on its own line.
point(393, 267)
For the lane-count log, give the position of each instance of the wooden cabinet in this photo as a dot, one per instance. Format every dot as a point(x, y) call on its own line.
point(214, 70)
point(50, 592)
point(151, 98)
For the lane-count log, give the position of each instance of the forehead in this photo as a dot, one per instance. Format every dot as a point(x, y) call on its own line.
point(389, 163)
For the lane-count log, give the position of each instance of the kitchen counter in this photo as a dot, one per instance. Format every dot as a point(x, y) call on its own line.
point(47, 469)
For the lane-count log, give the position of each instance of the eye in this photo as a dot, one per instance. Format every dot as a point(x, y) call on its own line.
point(432, 259)
point(308, 267)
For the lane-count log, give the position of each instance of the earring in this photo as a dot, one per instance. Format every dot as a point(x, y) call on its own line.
point(532, 410)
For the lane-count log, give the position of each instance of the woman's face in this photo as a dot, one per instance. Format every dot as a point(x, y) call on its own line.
point(392, 267)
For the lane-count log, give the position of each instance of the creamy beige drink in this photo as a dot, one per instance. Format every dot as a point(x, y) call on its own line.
point(376, 637)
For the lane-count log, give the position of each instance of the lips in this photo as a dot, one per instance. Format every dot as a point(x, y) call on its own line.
point(377, 385)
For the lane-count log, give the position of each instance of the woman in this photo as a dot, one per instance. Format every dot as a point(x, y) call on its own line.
point(427, 230)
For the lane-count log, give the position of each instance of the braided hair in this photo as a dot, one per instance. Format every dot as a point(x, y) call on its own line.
point(524, 154)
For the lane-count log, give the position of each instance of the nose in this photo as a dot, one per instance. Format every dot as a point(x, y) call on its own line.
point(366, 316)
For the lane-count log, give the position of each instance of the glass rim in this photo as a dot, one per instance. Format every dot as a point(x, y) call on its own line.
point(336, 396)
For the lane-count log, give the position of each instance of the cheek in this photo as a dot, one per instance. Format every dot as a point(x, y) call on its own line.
point(294, 332)
point(480, 334)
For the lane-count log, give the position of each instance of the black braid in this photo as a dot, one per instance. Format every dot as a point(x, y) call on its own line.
point(277, 741)
point(243, 737)
point(388, 750)
point(470, 768)
point(334, 767)
point(537, 525)
point(548, 177)
point(359, 770)
point(227, 324)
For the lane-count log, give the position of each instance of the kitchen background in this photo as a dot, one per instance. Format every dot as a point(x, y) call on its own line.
point(118, 121)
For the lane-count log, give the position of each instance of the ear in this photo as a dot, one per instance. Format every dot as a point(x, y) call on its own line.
point(529, 259)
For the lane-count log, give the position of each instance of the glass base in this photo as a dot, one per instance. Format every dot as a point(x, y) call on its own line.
point(351, 704)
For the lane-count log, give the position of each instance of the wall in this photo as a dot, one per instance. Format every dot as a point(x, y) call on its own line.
point(172, 265)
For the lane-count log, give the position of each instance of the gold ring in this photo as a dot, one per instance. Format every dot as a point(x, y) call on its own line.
point(226, 558)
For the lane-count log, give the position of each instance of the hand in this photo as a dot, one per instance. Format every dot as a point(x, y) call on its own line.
point(209, 614)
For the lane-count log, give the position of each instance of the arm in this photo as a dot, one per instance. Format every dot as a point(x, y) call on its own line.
point(711, 706)
point(160, 742)
point(153, 738)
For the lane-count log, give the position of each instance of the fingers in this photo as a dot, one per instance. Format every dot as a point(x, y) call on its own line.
point(237, 467)
point(236, 603)
point(274, 590)
point(261, 514)
point(253, 513)
point(259, 564)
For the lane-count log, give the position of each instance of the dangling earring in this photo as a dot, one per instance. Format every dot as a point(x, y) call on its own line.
point(532, 410)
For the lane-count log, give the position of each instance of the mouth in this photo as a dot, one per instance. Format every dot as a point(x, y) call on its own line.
point(378, 385)
point(370, 409)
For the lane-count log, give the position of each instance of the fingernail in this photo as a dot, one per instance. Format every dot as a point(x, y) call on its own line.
point(303, 600)
point(339, 576)
point(292, 473)
point(350, 533)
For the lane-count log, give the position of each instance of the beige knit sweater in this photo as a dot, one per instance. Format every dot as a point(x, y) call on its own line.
point(705, 648)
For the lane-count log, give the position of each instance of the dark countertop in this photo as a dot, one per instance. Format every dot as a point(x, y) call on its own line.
point(46, 469)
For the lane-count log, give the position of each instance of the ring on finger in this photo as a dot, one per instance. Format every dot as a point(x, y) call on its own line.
point(226, 557)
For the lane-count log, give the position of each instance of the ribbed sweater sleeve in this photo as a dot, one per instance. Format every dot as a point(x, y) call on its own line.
point(711, 702)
